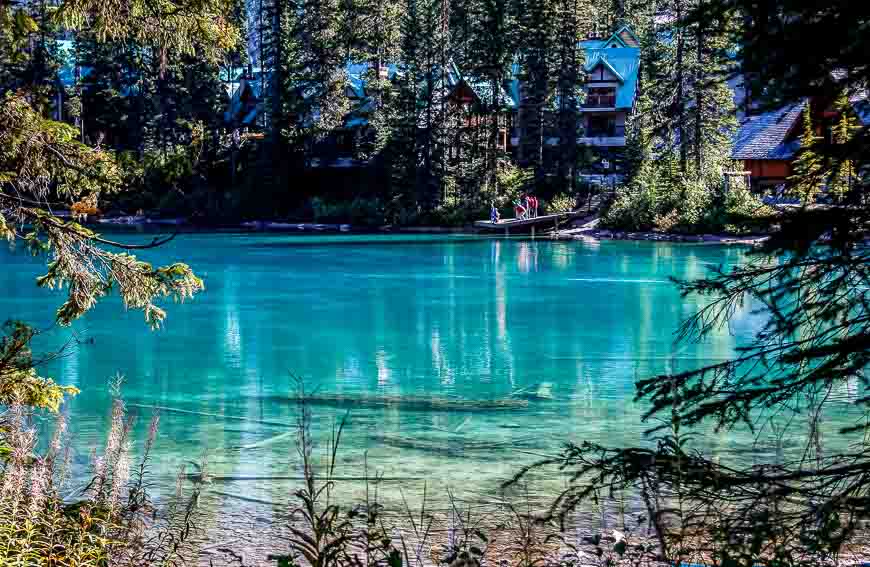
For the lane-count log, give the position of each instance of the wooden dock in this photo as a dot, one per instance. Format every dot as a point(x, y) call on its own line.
point(525, 225)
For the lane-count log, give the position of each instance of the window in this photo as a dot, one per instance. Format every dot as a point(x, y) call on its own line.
point(601, 97)
point(601, 127)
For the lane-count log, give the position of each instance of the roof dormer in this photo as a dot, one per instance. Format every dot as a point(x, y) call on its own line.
point(601, 70)
point(622, 37)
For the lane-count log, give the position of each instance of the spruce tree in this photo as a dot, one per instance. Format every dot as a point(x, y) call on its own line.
point(808, 176)
point(492, 49)
point(537, 75)
point(843, 172)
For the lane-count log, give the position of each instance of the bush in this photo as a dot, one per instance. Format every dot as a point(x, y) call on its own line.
point(360, 211)
point(744, 212)
point(658, 200)
point(559, 204)
point(113, 523)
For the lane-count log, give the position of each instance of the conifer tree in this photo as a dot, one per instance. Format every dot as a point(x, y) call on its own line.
point(569, 64)
point(808, 176)
point(536, 48)
point(492, 49)
point(843, 173)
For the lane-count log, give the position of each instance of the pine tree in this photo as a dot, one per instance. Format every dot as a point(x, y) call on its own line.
point(569, 64)
point(536, 48)
point(492, 48)
point(806, 181)
point(110, 82)
point(843, 173)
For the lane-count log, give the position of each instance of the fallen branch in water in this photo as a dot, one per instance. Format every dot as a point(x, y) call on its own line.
point(207, 414)
point(452, 447)
point(232, 478)
point(269, 441)
point(432, 403)
point(242, 498)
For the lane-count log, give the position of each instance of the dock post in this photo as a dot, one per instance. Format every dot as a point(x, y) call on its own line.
point(507, 231)
point(533, 232)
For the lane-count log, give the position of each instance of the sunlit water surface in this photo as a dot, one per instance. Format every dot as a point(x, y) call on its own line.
point(465, 317)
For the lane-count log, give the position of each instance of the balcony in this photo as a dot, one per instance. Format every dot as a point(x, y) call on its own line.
point(600, 102)
point(604, 137)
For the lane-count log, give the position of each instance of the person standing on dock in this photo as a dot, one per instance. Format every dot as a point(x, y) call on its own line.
point(519, 210)
point(527, 204)
point(493, 213)
point(533, 206)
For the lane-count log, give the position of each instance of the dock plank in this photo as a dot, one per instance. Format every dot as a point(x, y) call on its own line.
point(517, 223)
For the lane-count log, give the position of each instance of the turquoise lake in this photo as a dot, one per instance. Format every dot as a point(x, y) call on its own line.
point(448, 316)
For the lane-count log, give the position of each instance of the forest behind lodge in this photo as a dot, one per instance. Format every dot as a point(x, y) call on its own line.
point(392, 113)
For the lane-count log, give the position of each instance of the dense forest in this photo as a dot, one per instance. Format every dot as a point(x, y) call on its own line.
point(354, 110)
point(147, 122)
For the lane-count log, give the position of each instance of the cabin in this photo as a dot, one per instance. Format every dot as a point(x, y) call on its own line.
point(768, 143)
point(470, 97)
point(611, 67)
point(246, 98)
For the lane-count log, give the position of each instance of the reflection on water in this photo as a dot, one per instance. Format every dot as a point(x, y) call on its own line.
point(466, 317)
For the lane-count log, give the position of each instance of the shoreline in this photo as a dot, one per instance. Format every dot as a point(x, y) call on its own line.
point(604, 234)
point(139, 223)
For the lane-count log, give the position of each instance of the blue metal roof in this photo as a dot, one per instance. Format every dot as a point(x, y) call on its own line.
point(482, 87)
point(764, 136)
point(624, 62)
point(356, 76)
point(861, 105)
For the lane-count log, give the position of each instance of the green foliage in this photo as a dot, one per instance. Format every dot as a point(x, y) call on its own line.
point(844, 175)
point(38, 155)
point(808, 178)
point(360, 211)
point(659, 198)
point(19, 382)
point(41, 156)
point(113, 523)
point(559, 204)
point(744, 212)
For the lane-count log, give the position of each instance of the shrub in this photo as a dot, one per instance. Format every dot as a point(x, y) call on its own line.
point(360, 211)
point(744, 212)
point(658, 199)
point(113, 523)
point(559, 204)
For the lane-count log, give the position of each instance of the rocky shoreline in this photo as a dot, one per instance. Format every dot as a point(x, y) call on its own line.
point(585, 232)
point(603, 234)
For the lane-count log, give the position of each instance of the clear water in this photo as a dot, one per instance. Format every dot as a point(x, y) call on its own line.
point(466, 317)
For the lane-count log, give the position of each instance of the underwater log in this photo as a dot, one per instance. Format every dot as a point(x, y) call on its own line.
point(425, 403)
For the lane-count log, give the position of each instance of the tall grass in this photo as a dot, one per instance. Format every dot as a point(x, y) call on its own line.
point(111, 520)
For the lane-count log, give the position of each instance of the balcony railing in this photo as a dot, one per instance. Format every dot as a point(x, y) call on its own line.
point(612, 132)
point(600, 101)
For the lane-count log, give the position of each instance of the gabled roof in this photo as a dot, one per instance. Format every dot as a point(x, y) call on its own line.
point(624, 62)
point(764, 136)
point(481, 87)
point(861, 106)
point(617, 37)
point(607, 64)
point(356, 76)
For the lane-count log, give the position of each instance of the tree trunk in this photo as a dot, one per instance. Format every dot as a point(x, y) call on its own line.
point(680, 101)
point(699, 99)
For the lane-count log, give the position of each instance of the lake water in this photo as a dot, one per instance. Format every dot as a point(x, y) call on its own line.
point(448, 316)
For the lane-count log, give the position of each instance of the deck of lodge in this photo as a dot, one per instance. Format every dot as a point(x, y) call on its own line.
point(547, 222)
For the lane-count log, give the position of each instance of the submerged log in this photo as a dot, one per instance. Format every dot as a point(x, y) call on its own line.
point(451, 447)
point(208, 414)
point(430, 403)
point(270, 440)
point(539, 391)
